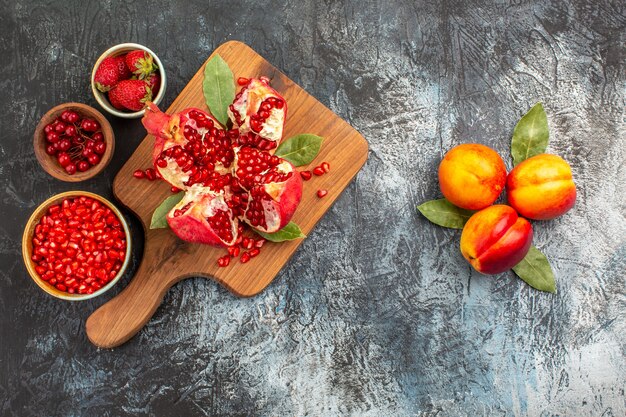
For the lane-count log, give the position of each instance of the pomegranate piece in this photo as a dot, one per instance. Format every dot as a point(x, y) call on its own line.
point(272, 187)
point(204, 217)
point(190, 148)
point(259, 110)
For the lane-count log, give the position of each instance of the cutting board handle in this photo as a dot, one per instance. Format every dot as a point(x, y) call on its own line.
point(122, 317)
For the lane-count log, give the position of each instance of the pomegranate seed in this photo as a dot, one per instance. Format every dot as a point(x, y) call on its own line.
point(254, 252)
point(322, 193)
point(306, 175)
point(139, 174)
point(259, 243)
point(223, 261)
point(150, 174)
point(175, 189)
point(326, 167)
point(245, 257)
point(233, 251)
point(242, 81)
point(319, 171)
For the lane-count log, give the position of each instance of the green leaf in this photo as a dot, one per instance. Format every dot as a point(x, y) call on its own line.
point(530, 136)
point(218, 87)
point(158, 217)
point(535, 270)
point(290, 232)
point(444, 213)
point(300, 149)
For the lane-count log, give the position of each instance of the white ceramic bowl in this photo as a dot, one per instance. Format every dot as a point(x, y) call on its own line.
point(101, 97)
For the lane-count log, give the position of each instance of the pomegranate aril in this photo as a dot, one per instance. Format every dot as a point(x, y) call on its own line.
point(319, 171)
point(306, 175)
point(242, 81)
point(322, 193)
point(139, 174)
point(245, 257)
point(254, 252)
point(223, 261)
point(150, 174)
point(325, 166)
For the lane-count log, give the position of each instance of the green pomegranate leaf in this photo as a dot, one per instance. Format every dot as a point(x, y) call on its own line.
point(530, 136)
point(290, 232)
point(218, 87)
point(535, 270)
point(444, 213)
point(300, 149)
point(158, 217)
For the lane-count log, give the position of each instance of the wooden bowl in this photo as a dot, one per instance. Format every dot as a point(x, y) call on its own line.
point(27, 245)
point(102, 98)
point(50, 163)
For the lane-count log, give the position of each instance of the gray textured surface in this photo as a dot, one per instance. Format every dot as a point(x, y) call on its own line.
point(378, 313)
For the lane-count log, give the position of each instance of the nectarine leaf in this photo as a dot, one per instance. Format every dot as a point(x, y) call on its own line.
point(290, 232)
point(158, 217)
point(535, 270)
point(300, 149)
point(531, 134)
point(444, 213)
point(218, 86)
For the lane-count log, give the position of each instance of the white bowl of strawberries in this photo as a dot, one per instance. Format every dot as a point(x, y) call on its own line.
point(125, 77)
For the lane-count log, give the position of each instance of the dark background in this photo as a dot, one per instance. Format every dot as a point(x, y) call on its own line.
point(378, 313)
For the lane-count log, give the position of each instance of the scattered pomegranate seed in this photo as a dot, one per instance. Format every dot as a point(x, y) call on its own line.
point(319, 171)
point(223, 261)
point(245, 257)
point(322, 193)
point(254, 252)
point(242, 81)
point(259, 243)
point(233, 251)
point(306, 175)
point(139, 174)
point(247, 243)
point(79, 245)
point(151, 174)
point(326, 167)
point(175, 190)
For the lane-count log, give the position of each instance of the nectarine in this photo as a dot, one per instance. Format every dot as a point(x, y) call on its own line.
point(541, 187)
point(472, 176)
point(496, 239)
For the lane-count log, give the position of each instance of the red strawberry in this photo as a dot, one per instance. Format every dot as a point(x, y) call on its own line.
point(107, 74)
point(131, 94)
point(113, 99)
point(140, 63)
point(122, 69)
point(154, 82)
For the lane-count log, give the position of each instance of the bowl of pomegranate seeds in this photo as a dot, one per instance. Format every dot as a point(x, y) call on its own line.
point(126, 77)
point(73, 142)
point(76, 245)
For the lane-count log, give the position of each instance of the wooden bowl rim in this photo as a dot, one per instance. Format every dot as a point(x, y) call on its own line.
point(50, 165)
point(27, 247)
point(117, 50)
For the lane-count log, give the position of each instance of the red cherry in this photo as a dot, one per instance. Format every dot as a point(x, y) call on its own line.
point(64, 159)
point(64, 144)
point(71, 168)
point(50, 150)
point(100, 148)
point(98, 137)
point(82, 166)
point(93, 159)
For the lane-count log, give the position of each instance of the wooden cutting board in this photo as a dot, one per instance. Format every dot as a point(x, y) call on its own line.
point(167, 259)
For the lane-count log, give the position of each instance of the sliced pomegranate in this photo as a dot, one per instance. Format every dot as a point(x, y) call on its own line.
point(272, 187)
point(204, 217)
point(190, 148)
point(259, 113)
